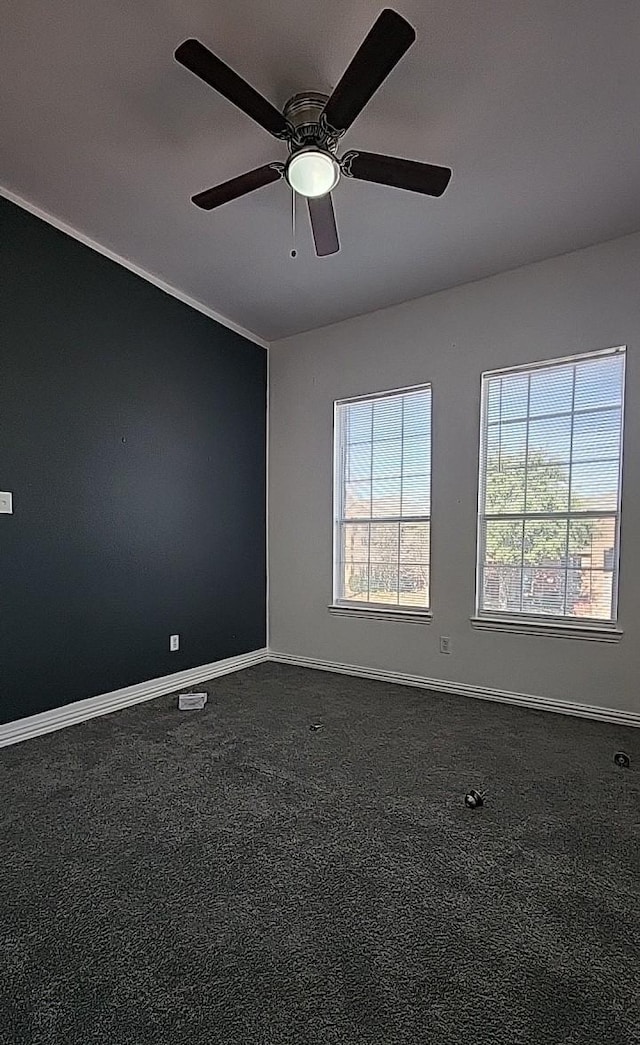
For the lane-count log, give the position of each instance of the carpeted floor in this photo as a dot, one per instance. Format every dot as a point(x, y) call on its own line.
point(230, 876)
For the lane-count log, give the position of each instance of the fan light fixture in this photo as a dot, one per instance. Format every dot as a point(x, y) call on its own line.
point(312, 124)
point(312, 173)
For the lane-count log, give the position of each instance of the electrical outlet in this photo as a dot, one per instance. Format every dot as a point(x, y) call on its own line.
point(174, 643)
point(445, 644)
point(6, 503)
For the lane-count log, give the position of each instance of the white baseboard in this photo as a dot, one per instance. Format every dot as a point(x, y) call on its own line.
point(69, 715)
point(526, 700)
point(80, 710)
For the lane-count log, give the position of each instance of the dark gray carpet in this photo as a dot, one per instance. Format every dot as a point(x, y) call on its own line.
point(229, 876)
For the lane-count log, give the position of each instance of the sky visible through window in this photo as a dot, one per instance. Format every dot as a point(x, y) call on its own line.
point(398, 441)
point(596, 437)
point(598, 383)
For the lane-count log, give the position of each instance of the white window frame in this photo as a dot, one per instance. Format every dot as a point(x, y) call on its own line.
point(525, 623)
point(345, 607)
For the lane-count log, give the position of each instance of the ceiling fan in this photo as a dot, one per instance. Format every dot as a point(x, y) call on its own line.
point(312, 125)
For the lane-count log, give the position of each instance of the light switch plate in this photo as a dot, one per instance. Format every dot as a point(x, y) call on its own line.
point(6, 504)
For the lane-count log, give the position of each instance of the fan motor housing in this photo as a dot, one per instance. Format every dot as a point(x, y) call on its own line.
point(303, 111)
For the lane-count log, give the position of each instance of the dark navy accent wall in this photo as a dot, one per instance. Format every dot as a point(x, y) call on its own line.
point(132, 436)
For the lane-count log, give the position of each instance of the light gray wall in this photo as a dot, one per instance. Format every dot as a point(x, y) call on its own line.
point(575, 303)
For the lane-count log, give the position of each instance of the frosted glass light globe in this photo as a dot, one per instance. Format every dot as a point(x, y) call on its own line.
point(312, 173)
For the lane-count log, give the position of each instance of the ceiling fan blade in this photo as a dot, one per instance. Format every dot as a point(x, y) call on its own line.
point(383, 47)
point(323, 225)
point(391, 170)
point(200, 61)
point(231, 190)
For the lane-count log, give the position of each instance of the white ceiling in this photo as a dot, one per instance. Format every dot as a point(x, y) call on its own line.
point(535, 106)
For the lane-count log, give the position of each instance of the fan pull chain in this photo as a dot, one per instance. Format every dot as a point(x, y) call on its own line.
point(294, 252)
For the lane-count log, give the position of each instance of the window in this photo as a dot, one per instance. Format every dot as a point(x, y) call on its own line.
point(383, 501)
point(549, 504)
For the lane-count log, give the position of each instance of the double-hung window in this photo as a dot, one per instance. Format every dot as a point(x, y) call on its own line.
point(382, 502)
point(549, 499)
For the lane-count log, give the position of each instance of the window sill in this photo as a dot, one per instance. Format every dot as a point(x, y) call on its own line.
point(548, 629)
point(384, 613)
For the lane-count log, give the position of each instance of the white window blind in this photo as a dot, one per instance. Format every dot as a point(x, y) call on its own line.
point(383, 500)
point(549, 504)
